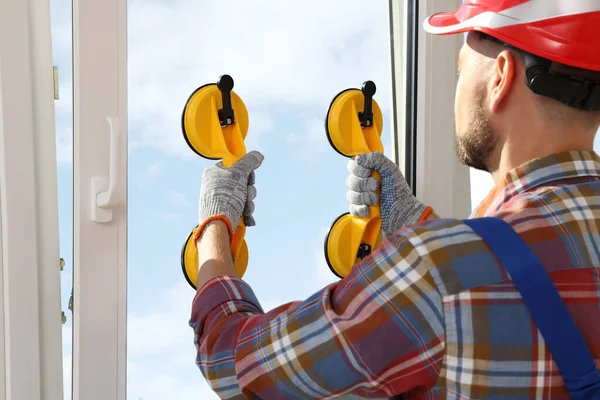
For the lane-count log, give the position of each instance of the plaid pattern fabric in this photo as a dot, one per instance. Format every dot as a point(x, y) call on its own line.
point(431, 314)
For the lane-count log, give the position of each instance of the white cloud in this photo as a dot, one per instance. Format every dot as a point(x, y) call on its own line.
point(165, 327)
point(156, 385)
point(67, 376)
point(283, 58)
point(176, 197)
point(168, 216)
point(310, 139)
point(63, 109)
point(164, 334)
point(323, 274)
point(261, 123)
point(154, 170)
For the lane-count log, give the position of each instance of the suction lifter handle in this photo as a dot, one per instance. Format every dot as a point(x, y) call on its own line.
point(366, 116)
point(225, 85)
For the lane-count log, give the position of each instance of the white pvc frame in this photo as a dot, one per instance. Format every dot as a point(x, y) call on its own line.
point(100, 234)
point(398, 69)
point(30, 309)
point(441, 180)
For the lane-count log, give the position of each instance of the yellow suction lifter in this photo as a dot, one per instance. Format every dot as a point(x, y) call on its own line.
point(215, 124)
point(353, 125)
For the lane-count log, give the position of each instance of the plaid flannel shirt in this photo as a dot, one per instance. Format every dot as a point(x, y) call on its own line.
point(430, 314)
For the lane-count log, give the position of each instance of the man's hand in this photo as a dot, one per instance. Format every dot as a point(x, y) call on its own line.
point(227, 194)
point(398, 205)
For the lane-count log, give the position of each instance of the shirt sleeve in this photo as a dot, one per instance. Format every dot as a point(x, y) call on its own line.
point(376, 333)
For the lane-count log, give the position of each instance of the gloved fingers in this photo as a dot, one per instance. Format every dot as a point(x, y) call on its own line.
point(361, 184)
point(357, 170)
point(249, 220)
point(378, 161)
point(248, 208)
point(359, 211)
point(361, 198)
point(217, 165)
point(251, 194)
point(249, 162)
point(252, 178)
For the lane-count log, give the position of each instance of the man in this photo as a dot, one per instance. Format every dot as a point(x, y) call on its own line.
point(434, 313)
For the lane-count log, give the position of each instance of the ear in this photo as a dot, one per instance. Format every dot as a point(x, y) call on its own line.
point(503, 77)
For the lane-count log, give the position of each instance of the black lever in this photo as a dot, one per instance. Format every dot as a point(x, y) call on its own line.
point(363, 250)
point(366, 116)
point(225, 85)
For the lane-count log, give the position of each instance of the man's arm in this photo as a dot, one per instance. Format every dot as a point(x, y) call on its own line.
point(376, 333)
point(214, 253)
point(432, 216)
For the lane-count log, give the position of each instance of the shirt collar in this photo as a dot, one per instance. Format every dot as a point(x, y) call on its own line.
point(537, 172)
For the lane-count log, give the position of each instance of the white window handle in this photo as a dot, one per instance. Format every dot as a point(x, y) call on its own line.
point(104, 195)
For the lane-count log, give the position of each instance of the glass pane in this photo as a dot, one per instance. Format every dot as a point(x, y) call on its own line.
point(288, 61)
point(63, 56)
point(481, 184)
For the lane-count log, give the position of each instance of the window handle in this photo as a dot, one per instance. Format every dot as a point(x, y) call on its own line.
point(104, 195)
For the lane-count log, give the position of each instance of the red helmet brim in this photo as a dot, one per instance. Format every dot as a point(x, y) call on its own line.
point(445, 23)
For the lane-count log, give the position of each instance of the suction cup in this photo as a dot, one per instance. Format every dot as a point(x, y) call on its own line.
point(215, 122)
point(349, 240)
point(354, 122)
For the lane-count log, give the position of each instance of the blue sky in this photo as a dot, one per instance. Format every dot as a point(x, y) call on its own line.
point(287, 69)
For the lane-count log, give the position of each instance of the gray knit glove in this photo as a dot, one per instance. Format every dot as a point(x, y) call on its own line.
point(398, 205)
point(229, 192)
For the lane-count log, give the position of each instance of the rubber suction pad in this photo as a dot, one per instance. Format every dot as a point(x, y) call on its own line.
point(349, 240)
point(205, 132)
point(345, 128)
point(189, 260)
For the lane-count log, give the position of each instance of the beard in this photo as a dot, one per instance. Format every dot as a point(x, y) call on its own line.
point(475, 146)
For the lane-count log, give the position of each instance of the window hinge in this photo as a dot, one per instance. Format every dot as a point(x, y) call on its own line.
point(63, 315)
point(71, 301)
point(55, 82)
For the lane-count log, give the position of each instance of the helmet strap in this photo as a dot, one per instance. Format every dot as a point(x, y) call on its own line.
point(542, 78)
point(573, 90)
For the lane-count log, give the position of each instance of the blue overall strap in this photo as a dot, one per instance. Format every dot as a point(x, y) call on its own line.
point(566, 344)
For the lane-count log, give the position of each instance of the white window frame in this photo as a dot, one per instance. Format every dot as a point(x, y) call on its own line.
point(100, 248)
point(441, 181)
point(30, 309)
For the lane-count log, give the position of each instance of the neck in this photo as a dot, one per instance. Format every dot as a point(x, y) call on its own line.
point(521, 147)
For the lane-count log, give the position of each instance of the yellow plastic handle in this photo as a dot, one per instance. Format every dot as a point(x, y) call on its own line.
point(207, 135)
point(350, 237)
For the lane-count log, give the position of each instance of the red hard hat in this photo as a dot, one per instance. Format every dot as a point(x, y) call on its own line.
point(565, 31)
